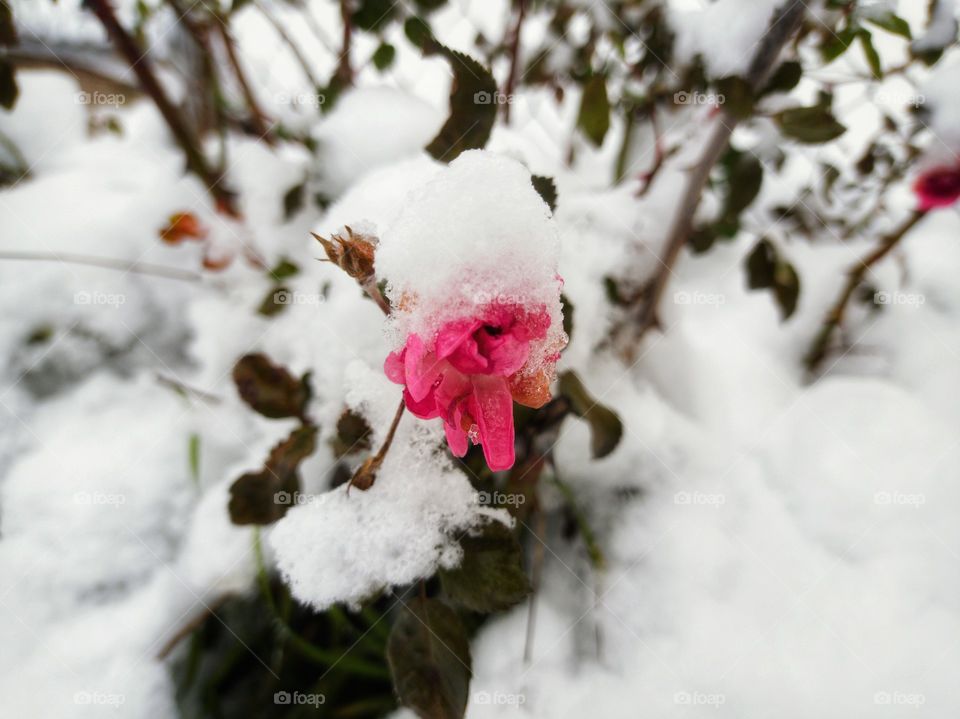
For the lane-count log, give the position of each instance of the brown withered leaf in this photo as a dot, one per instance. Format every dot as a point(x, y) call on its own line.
point(182, 226)
point(353, 434)
point(264, 496)
point(270, 389)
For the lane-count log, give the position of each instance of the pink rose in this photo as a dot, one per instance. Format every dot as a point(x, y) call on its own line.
point(471, 374)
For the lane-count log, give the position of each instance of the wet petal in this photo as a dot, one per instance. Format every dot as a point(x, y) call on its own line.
point(492, 409)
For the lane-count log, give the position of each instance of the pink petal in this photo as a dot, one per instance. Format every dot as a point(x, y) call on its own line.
point(453, 388)
point(492, 409)
point(424, 409)
point(456, 438)
point(452, 334)
point(393, 367)
point(506, 352)
point(456, 343)
point(421, 369)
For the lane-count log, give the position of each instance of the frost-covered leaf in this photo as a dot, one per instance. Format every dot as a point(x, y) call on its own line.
point(606, 429)
point(429, 657)
point(547, 189)
point(594, 115)
point(472, 109)
point(811, 125)
point(263, 497)
point(269, 388)
point(491, 577)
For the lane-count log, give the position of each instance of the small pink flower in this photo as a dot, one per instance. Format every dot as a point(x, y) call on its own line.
point(939, 187)
point(471, 374)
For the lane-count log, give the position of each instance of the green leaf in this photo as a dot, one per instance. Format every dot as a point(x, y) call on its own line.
point(283, 270)
point(760, 264)
point(786, 288)
point(744, 180)
point(472, 110)
point(193, 457)
point(786, 77)
point(702, 239)
point(8, 29)
point(594, 116)
point(429, 658)
point(812, 125)
point(737, 94)
point(767, 270)
point(837, 44)
point(374, 15)
point(430, 5)
point(891, 22)
point(418, 32)
point(8, 85)
point(270, 389)
point(547, 189)
point(870, 53)
point(384, 55)
point(293, 201)
point(264, 496)
point(490, 578)
point(606, 429)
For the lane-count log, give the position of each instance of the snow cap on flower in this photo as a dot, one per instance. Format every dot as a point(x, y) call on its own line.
point(471, 271)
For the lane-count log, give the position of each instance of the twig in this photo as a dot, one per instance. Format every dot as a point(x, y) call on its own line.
point(140, 65)
point(510, 87)
point(594, 552)
point(210, 83)
point(366, 475)
point(855, 275)
point(260, 124)
point(288, 41)
point(190, 627)
point(536, 571)
point(785, 23)
point(140, 268)
point(186, 390)
point(344, 69)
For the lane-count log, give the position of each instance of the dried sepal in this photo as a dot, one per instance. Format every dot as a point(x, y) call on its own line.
point(352, 252)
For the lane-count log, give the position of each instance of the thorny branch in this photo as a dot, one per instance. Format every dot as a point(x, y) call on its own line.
point(141, 66)
point(643, 314)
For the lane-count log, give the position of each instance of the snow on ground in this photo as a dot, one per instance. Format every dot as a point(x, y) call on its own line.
point(773, 546)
